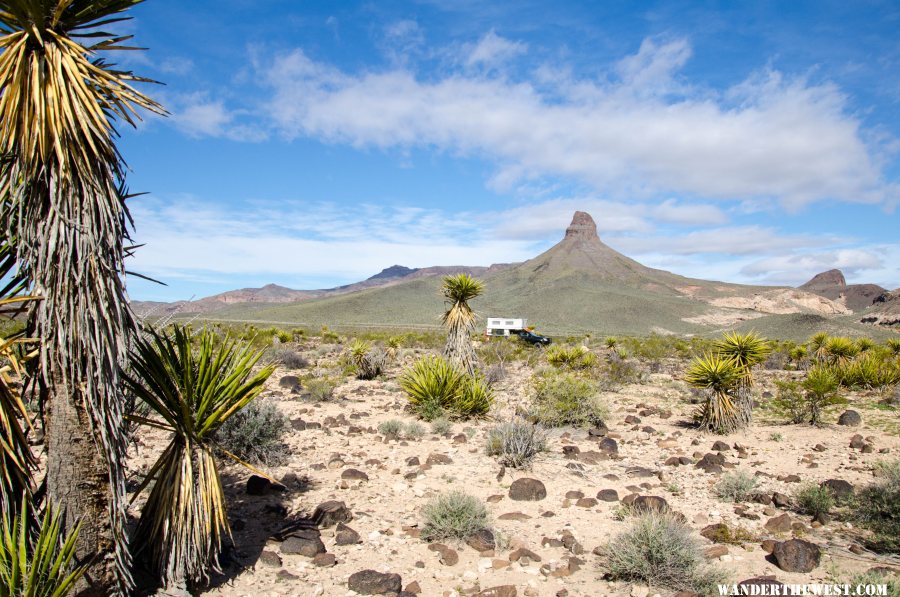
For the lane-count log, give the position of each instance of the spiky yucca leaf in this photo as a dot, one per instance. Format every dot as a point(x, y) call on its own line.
point(817, 345)
point(17, 463)
point(36, 565)
point(433, 385)
point(838, 350)
point(721, 376)
point(894, 345)
point(821, 385)
point(746, 350)
point(193, 391)
point(459, 318)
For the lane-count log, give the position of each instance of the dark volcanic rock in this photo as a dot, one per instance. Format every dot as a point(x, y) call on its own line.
point(257, 485)
point(330, 513)
point(797, 555)
point(371, 582)
point(650, 503)
point(608, 495)
point(352, 474)
point(527, 490)
point(305, 542)
point(482, 540)
point(839, 488)
point(850, 418)
point(609, 446)
point(344, 535)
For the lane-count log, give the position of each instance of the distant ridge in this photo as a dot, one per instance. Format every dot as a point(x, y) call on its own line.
point(833, 286)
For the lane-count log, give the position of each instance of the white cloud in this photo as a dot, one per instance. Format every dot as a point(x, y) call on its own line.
point(176, 65)
point(492, 50)
point(770, 137)
point(803, 266)
point(199, 116)
point(725, 241)
point(689, 214)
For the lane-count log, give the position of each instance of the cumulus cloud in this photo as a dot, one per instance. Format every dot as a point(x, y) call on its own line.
point(637, 134)
point(803, 266)
point(197, 115)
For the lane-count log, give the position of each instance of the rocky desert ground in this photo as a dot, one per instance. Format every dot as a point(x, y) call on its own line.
point(349, 499)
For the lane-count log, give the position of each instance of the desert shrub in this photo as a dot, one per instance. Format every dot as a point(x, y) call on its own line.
point(619, 371)
point(570, 357)
point(453, 515)
point(821, 385)
point(891, 582)
point(283, 336)
point(789, 401)
point(658, 550)
point(441, 426)
point(434, 386)
point(320, 389)
point(893, 345)
point(731, 535)
point(877, 507)
point(736, 487)
point(369, 362)
point(254, 433)
point(494, 375)
point(288, 358)
point(516, 442)
point(413, 430)
point(814, 499)
point(563, 398)
point(391, 427)
point(776, 436)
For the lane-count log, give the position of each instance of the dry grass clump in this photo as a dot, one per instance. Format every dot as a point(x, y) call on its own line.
point(736, 487)
point(814, 499)
point(658, 550)
point(288, 358)
point(254, 434)
point(516, 442)
point(453, 515)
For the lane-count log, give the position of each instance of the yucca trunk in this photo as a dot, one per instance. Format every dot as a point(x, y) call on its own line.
point(459, 350)
point(84, 322)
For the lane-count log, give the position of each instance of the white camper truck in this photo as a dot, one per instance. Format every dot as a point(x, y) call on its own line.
point(502, 326)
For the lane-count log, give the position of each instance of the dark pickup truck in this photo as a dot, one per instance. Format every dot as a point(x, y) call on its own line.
point(533, 338)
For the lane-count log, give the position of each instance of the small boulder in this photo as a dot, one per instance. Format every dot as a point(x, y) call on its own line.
point(608, 495)
point(650, 503)
point(371, 582)
point(720, 446)
point(527, 490)
point(257, 485)
point(481, 540)
point(781, 500)
point(344, 535)
point(291, 382)
point(797, 555)
point(609, 446)
point(779, 524)
point(352, 474)
point(850, 418)
point(305, 542)
point(328, 514)
point(839, 488)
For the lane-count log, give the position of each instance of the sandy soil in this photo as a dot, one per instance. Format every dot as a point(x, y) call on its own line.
point(386, 507)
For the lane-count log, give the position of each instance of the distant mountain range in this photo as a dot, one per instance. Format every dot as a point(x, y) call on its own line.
point(580, 285)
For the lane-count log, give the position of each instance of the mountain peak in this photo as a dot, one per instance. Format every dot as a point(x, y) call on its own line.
point(582, 227)
point(830, 279)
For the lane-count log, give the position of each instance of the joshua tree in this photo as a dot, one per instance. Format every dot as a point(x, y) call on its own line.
point(459, 318)
point(745, 351)
point(721, 376)
point(64, 201)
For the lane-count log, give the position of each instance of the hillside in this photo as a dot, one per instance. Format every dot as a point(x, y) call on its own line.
point(833, 286)
point(580, 285)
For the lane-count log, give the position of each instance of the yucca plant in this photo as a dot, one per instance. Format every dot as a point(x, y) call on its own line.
point(894, 345)
point(37, 564)
point(459, 318)
point(17, 463)
point(864, 344)
point(816, 345)
point(746, 350)
point(64, 202)
point(821, 385)
point(192, 391)
point(433, 386)
point(839, 350)
point(369, 363)
point(574, 357)
point(798, 355)
point(722, 377)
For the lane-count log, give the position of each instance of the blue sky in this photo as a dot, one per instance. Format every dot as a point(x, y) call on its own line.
point(312, 144)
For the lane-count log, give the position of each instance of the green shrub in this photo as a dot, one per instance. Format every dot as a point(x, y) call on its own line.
point(870, 370)
point(876, 577)
point(516, 442)
point(731, 535)
point(453, 515)
point(434, 386)
point(789, 401)
point(254, 433)
point(320, 389)
point(735, 487)
point(283, 336)
point(658, 550)
point(814, 499)
point(570, 357)
point(37, 564)
point(369, 362)
point(877, 508)
point(562, 398)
